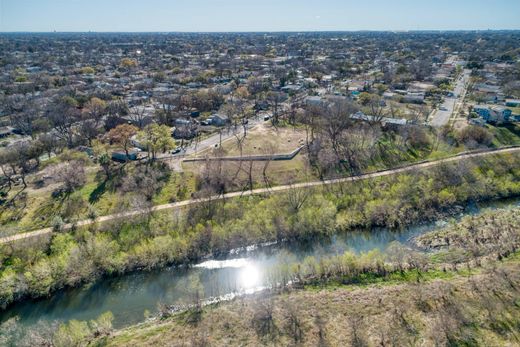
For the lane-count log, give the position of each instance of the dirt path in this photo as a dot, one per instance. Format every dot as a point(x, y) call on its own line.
point(180, 204)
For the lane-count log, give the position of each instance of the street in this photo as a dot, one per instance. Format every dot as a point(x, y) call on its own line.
point(442, 115)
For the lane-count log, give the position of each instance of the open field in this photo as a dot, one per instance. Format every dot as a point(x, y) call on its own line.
point(262, 139)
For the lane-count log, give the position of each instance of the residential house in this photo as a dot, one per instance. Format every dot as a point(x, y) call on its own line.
point(414, 98)
point(490, 92)
point(494, 113)
point(218, 119)
point(313, 100)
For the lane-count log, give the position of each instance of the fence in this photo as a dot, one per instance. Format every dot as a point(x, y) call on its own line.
point(261, 157)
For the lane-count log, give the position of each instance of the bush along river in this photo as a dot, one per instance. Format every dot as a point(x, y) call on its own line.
point(132, 297)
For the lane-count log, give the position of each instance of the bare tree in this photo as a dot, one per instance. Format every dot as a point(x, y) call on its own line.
point(275, 99)
point(137, 115)
point(25, 113)
point(71, 175)
point(64, 117)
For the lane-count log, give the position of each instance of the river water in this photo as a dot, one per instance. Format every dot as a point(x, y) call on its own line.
point(128, 297)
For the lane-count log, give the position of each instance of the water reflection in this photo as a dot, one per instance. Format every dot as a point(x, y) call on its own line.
point(249, 277)
point(219, 264)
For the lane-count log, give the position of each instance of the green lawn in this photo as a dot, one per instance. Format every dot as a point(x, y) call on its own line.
point(505, 135)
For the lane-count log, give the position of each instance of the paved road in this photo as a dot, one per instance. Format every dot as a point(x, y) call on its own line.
point(441, 116)
point(259, 191)
point(211, 141)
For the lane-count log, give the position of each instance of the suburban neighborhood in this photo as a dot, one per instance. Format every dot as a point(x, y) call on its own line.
point(258, 188)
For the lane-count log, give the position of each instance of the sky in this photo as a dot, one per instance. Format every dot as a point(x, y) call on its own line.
point(252, 15)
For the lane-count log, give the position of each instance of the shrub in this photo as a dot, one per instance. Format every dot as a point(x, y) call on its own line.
point(474, 136)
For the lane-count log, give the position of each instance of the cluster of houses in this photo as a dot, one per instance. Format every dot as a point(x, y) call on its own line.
point(491, 102)
point(498, 113)
point(158, 72)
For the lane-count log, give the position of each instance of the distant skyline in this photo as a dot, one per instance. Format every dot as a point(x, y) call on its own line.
point(265, 15)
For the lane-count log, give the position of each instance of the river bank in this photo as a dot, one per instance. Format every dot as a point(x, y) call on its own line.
point(359, 300)
point(458, 309)
point(131, 298)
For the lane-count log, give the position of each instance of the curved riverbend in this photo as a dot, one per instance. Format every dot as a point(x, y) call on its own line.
point(128, 297)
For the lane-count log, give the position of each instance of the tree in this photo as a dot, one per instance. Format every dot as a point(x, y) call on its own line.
point(95, 109)
point(92, 116)
point(116, 110)
point(474, 136)
point(72, 334)
point(63, 116)
point(373, 106)
point(145, 180)
point(128, 64)
point(104, 158)
point(122, 135)
point(238, 110)
point(102, 325)
point(335, 122)
point(24, 114)
point(70, 174)
point(275, 99)
point(137, 115)
point(49, 143)
point(20, 159)
point(156, 138)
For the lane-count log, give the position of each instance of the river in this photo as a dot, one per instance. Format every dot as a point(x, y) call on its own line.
point(129, 296)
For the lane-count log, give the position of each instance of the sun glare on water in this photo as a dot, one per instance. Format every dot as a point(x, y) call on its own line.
point(249, 276)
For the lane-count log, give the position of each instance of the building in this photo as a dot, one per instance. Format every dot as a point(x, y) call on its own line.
point(384, 120)
point(489, 93)
point(313, 101)
point(291, 88)
point(122, 157)
point(218, 119)
point(414, 98)
point(494, 113)
point(513, 102)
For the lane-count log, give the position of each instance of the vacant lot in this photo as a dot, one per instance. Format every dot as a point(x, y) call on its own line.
point(263, 139)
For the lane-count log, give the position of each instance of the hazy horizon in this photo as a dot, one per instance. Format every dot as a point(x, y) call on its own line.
point(205, 16)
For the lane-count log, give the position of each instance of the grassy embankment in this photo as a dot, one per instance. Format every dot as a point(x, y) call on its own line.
point(451, 309)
